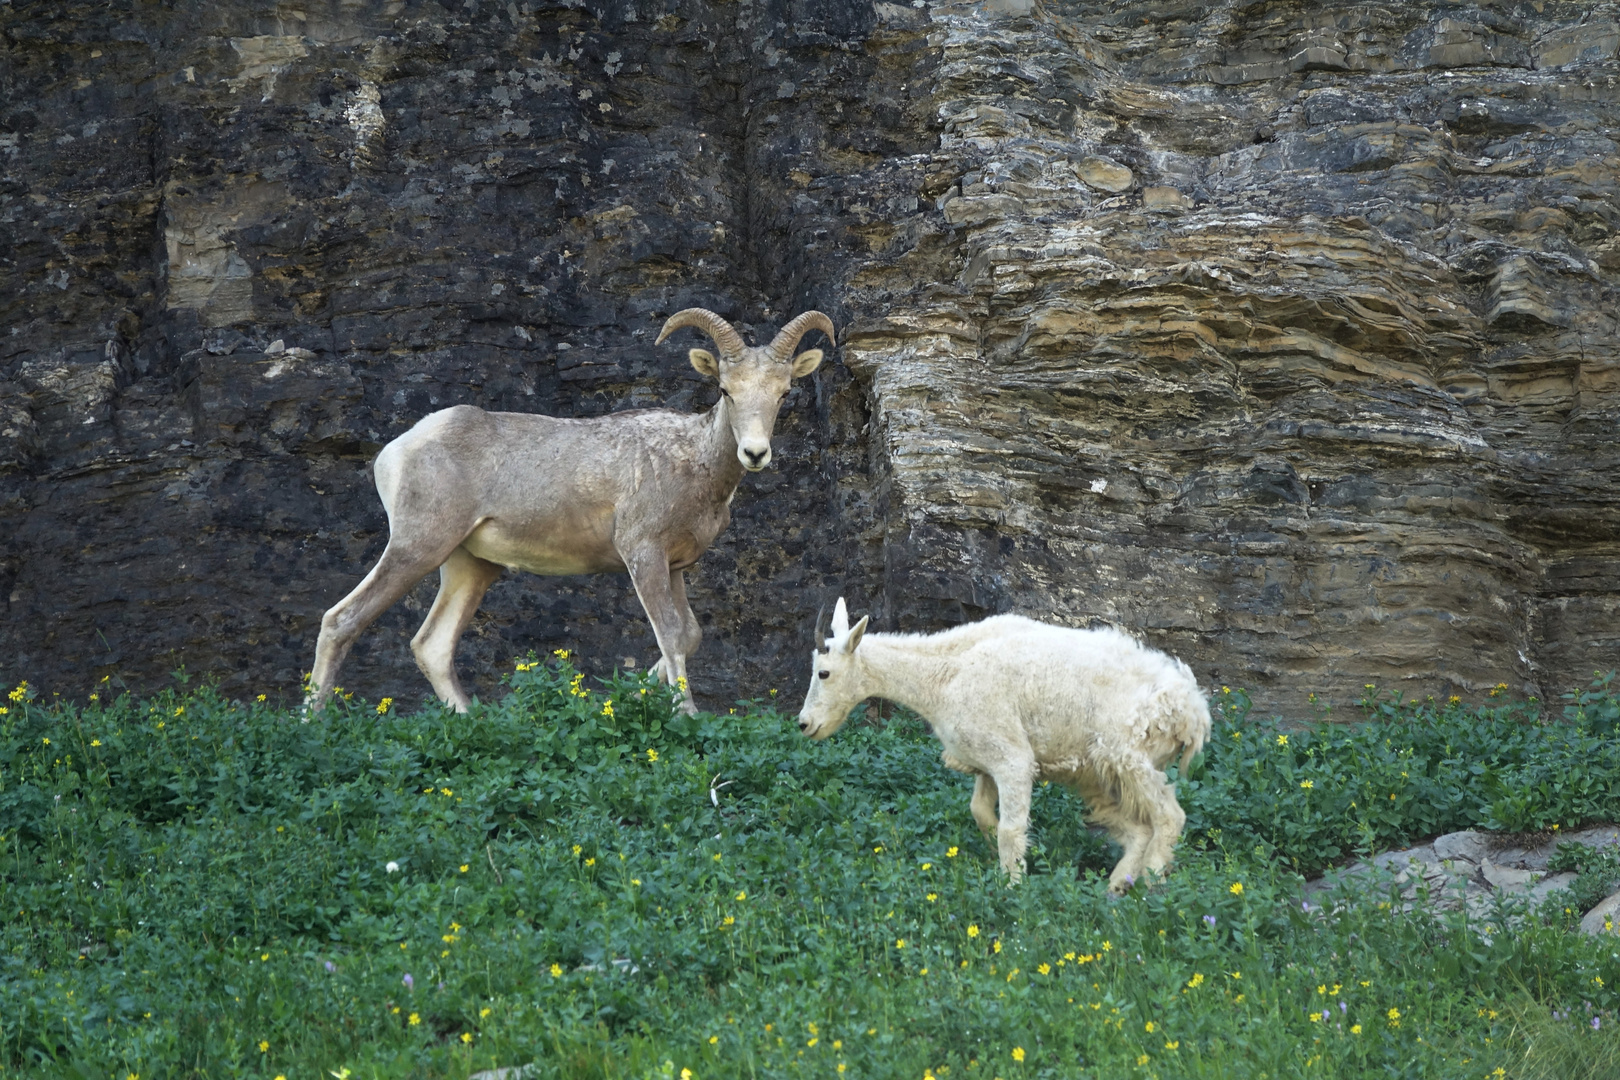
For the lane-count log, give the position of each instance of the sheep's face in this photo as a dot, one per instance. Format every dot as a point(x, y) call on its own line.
point(836, 685)
point(752, 387)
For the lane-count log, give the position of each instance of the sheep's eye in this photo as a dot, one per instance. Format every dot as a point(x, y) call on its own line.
point(822, 674)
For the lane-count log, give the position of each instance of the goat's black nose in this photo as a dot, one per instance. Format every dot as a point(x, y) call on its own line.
point(804, 725)
point(756, 456)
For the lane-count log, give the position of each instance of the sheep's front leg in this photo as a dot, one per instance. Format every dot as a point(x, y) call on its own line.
point(649, 572)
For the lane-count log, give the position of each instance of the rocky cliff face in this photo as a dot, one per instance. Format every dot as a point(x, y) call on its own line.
point(1283, 334)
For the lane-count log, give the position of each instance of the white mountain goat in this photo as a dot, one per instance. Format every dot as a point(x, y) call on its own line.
point(645, 491)
point(1012, 699)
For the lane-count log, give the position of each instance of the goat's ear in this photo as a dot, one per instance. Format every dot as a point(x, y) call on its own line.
point(840, 619)
point(855, 633)
point(704, 362)
point(806, 362)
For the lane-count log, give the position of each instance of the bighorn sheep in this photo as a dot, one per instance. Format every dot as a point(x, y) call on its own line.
point(1012, 699)
point(644, 491)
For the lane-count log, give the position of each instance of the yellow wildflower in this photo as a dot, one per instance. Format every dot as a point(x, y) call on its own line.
point(384, 705)
point(973, 930)
point(556, 971)
point(1282, 740)
point(415, 1019)
point(652, 755)
point(1307, 784)
point(264, 1047)
point(950, 852)
point(1236, 889)
point(466, 1036)
point(1018, 1053)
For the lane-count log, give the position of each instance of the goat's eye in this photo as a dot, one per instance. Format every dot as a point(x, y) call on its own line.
point(726, 392)
point(822, 674)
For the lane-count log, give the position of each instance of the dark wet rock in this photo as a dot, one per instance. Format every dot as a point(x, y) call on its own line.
point(1283, 335)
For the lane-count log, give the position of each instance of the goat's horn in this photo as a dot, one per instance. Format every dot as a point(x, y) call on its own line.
point(787, 339)
point(822, 629)
point(724, 335)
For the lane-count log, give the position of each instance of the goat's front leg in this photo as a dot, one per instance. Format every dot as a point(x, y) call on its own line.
point(650, 573)
point(984, 805)
point(1014, 779)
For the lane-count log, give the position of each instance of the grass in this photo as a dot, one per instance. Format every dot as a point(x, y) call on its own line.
point(192, 886)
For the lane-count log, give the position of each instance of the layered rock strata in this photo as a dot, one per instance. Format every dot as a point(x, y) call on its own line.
point(1284, 335)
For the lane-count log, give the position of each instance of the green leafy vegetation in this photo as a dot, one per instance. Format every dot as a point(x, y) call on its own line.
point(582, 878)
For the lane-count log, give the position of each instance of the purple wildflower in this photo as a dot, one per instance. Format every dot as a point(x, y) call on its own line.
point(410, 983)
point(330, 967)
point(1343, 1008)
point(1210, 919)
point(1596, 1023)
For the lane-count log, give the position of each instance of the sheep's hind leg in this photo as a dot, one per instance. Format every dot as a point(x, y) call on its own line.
point(464, 578)
point(402, 565)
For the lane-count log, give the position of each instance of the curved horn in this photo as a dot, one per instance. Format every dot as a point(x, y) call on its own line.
point(724, 335)
point(822, 629)
point(787, 339)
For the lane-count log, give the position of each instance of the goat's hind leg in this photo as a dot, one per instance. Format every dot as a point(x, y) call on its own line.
point(463, 580)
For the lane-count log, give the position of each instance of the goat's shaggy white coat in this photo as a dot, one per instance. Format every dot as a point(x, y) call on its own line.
point(1013, 700)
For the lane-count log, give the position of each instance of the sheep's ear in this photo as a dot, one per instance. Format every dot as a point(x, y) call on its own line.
point(840, 619)
point(854, 638)
point(704, 362)
point(806, 362)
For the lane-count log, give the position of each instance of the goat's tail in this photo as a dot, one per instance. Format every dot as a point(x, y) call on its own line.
point(1191, 716)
